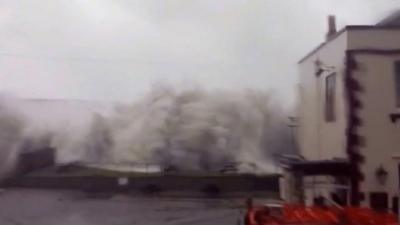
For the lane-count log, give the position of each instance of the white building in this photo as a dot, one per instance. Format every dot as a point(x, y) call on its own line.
point(349, 116)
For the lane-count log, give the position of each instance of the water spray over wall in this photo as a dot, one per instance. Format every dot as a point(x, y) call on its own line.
point(193, 129)
point(190, 129)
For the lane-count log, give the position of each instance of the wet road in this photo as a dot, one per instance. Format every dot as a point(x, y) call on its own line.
point(44, 207)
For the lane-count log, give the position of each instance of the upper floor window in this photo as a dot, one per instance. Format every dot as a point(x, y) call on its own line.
point(330, 90)
point(397, 82)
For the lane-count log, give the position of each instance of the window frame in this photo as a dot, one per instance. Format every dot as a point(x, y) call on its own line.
point(330, 97)
point(396, 78)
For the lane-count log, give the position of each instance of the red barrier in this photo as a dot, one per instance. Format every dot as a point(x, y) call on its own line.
point(298, 214)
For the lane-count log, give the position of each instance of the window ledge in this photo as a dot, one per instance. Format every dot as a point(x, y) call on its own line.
point(394, 117)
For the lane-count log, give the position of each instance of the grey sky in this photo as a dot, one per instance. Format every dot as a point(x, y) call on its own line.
point(114, 50)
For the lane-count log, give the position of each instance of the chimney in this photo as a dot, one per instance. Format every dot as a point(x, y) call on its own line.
point(331, 27)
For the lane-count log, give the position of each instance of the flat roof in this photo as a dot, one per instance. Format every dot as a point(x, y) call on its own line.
point(346, 28)
point(336, 167)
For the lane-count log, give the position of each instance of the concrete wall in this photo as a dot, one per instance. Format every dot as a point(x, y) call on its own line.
point(34, 160)
point(375, 74)
point(319, 139)
point(226, 184)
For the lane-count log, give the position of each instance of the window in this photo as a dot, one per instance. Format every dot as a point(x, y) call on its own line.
point(397, 82)
point(395, 205)
point(330, 97)
point(379, 201)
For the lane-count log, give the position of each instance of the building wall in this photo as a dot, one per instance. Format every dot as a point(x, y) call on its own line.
point(375, 74)
point(319, 139)
point(380, 142)
point(373, 38)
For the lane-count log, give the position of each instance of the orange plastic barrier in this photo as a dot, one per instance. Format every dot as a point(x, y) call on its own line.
point(298, 214)
point(361, 216)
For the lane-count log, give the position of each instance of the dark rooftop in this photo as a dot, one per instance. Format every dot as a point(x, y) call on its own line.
point(391, 20)
point(336, 167)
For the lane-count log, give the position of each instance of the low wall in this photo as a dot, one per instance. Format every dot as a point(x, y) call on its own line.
point(214, 185)
point(34, 160)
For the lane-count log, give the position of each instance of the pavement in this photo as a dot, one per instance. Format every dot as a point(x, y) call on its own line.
point(60, 207)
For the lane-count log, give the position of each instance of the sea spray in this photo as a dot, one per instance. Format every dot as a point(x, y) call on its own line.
point(193, 129)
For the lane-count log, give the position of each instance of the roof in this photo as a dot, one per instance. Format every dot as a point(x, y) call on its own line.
point(347, 28)
point(337, 167)
point(392, 20)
